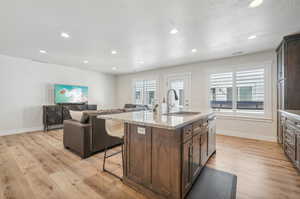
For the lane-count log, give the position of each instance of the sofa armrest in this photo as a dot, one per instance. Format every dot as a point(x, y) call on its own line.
point(76, 137)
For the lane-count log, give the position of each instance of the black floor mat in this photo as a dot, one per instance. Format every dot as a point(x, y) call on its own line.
point(214, 184)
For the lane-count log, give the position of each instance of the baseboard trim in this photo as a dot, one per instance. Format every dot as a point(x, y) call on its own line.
point(248, 136)
point(18, 131)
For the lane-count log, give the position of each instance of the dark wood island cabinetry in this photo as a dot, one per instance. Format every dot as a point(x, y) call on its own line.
point(164, 161)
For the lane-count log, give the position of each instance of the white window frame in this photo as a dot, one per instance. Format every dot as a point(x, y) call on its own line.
point(268, 115)
point(157, 93)
point(188, 77)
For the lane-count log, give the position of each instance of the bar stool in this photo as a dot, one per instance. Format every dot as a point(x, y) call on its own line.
point(114, 128)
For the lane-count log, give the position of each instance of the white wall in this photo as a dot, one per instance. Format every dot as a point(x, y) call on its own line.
point(242, 127)
point(26, 85)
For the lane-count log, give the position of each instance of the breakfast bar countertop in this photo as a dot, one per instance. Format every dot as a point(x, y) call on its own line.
point(148, 118)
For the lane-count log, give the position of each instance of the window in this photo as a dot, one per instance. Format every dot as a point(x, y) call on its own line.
point(145, 92)
point(178, 85)
point(250, 87)
point(221, 90)
point(239, 91)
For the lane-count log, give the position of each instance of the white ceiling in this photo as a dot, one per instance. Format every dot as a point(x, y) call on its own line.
point(139, 30)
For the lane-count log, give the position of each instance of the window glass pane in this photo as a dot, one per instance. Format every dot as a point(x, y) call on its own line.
point(221, 90)
point(145, 92)
point(149, 92)
point(250, 89)
point(138, 92)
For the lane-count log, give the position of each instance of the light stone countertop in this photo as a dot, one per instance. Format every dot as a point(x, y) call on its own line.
point(148, 118)
point(292, 113)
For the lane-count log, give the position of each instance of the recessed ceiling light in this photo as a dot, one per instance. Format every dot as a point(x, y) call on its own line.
point(64, 35)
point(174, 31)
point(252, 37)
point(256, 3)
point(85, 61)
point(43, 51)
point(114, 52)
point(194, 50)
point(114, 68)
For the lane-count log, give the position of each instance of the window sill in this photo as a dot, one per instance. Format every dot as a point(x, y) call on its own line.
point(252, 118)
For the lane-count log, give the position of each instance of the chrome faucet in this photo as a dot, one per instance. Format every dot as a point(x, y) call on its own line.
point(168, 100)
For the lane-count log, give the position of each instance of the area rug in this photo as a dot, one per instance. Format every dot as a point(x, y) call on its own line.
point(214, 184)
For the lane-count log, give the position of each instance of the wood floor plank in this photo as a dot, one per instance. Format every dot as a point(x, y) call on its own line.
point(109, 187)
point(263, 170)
point(39, 163)
point(39, 180)
point(12, 181)
point(73, 186)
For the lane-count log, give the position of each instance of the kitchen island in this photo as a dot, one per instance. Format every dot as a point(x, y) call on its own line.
point(164, 154)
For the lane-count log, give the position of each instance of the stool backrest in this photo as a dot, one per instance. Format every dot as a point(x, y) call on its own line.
point(114, 128)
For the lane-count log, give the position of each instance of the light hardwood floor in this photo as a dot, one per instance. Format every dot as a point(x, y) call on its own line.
point(36, 166)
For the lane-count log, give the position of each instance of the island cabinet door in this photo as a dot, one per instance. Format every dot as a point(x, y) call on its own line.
point(166, 162)
point(138, 154)
point(196, 154)
point(211, 136)
point(204, 147)
point(298, 151)
point(187, 157)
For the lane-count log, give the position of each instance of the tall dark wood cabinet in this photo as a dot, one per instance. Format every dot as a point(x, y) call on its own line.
point(288, 97)
point(288, 77)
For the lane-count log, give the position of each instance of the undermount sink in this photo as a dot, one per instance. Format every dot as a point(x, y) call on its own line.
point(182, 113)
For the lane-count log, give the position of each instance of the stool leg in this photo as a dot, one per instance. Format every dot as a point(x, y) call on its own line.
point(123, 158)
point(104, 158)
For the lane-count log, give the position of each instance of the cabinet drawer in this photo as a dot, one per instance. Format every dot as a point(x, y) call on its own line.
point(290, 152)
point(293, 122)
point(290, 137)
point(187, 132)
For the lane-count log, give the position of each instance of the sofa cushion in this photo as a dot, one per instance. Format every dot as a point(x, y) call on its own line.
point(79, 116)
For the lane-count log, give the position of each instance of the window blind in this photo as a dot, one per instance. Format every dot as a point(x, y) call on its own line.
point(221, 90)
point(145, 92)
point(250, 86)
point(238, 90)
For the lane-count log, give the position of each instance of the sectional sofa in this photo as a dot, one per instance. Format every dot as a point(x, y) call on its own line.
point(85, 134)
